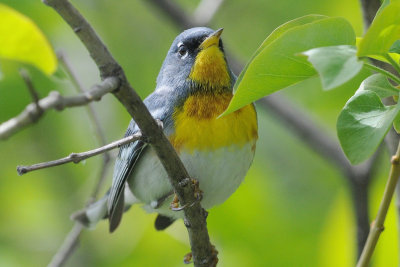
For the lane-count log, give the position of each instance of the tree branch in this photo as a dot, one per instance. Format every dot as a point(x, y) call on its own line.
point(78, 157)
point(32, 91)
point(369, 9)
point(377, 226)
point(174, 12)
point(194, 214)
point(89, 108)
point(206, 10)
point(72, 238)
point(55, 101)
point(68, 246)
point(316, 138)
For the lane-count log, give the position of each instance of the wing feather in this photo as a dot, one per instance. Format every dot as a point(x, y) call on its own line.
point(127, 157)
point(161, 105)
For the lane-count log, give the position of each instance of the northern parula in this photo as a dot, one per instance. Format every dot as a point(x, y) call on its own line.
point(194, 87)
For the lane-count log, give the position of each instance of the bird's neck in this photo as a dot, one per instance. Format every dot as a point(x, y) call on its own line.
point(210, 71)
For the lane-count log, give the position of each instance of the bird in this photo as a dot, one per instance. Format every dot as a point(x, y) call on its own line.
point(193, 88)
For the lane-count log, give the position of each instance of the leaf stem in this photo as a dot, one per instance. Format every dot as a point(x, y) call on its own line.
point(384, 72)
point(395, 65)
point(377, 225)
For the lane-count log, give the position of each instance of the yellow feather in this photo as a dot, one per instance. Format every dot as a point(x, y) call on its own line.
point(210, 68)
point(197, 126)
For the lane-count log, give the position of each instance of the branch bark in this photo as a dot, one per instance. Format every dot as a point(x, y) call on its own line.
point(195, 215)
point(54, 100)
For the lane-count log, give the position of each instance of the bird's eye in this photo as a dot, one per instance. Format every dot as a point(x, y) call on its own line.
point(182, 50)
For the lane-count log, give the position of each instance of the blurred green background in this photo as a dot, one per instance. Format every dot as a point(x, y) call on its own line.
point(293, 209)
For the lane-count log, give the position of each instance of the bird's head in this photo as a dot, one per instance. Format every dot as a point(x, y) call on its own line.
point(197, 56)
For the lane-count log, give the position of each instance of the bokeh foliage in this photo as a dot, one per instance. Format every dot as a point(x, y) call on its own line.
point(293, 209)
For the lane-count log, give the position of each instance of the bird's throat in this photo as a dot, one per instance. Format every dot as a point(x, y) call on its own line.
point(210, 69)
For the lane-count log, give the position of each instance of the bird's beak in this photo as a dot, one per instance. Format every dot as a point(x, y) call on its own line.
point(211, 40)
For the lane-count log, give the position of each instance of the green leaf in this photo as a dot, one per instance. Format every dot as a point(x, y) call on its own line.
point(383, 32)
point(396, 123)
point(22, 40)
point(276, 34)
point(334, 64)
point(383, 5)
point(382, 58)
point(275, 65)
point(379, 84)
point(395, 48)
point(362, 125)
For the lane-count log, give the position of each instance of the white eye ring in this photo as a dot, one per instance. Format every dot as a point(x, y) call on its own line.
point(182, 50)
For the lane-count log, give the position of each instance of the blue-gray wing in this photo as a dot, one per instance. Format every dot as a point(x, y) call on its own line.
point(160, 105)
point(126, 159)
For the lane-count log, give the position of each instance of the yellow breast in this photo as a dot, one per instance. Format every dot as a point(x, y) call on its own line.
point(197, 126)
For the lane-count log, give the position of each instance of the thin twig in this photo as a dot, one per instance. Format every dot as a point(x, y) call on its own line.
point(90, 108)
point(94, 119)
point(377, 226)
point(29, 84)
point(384, 72)
point(55, 101)
point(393, 62)
point(174, 11)
point(72, 238)
point(68, 246)
point(205, 11)
point(195, 215)
point(78, 157)
point(33, 93)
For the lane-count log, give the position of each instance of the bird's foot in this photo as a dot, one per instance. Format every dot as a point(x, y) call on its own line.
point(187, 259)
point(214, 253)
point(198, 195)
point(175, 203)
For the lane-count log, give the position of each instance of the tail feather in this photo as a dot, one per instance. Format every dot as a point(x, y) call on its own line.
point(97, 211)
point(91, 215)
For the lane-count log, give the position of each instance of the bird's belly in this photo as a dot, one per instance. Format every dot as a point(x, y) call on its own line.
point(219, 173)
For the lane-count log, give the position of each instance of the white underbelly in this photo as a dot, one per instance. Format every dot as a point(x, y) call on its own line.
point(219, 173)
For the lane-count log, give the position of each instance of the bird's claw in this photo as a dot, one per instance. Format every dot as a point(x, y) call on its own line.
point(198, 195)
point(187, 259)
point(175, 203)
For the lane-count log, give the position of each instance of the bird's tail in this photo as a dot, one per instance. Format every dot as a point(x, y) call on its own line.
point(97, 211)
point(92, 214)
